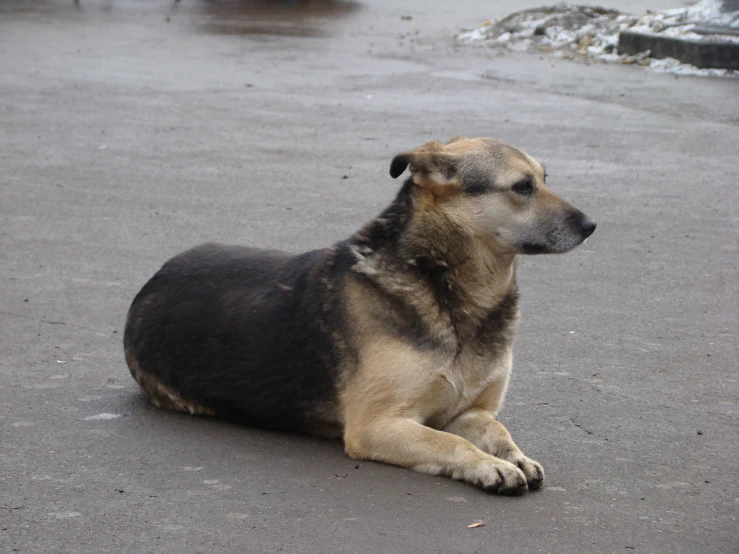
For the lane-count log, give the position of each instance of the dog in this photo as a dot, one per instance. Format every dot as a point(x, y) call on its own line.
point(398, 340)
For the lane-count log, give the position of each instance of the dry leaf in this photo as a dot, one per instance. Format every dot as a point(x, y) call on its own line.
point(476, 525)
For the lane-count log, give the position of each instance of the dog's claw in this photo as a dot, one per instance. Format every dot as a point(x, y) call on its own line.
point(513, 491)
point(533, 471)
point(509, 481)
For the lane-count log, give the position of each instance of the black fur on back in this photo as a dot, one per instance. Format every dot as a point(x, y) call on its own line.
point(240, 331)
point(253, 335)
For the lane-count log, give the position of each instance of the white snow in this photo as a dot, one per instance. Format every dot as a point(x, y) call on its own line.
point(681, 22)
point(103, 416)
point(676, 67)
point(575, 31)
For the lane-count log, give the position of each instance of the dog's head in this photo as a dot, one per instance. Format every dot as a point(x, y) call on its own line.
point(496, 192)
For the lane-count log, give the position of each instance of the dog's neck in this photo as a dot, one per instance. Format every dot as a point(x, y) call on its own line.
point(407, 245)
point(477, 273)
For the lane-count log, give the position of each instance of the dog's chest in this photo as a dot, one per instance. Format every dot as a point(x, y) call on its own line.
point(466, 378)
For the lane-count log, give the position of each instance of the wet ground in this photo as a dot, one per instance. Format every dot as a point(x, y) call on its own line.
point(130, 131)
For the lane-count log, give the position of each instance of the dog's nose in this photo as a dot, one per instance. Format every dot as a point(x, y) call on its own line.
point(588, 226)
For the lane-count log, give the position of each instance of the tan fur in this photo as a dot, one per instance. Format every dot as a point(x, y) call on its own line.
point(411, 409)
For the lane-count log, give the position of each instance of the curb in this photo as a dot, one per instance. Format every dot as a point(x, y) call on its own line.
point(705, 55)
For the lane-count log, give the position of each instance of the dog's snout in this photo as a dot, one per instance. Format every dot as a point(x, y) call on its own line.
point(588, 226)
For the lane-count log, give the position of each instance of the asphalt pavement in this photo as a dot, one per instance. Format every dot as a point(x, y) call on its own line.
point(132, 130)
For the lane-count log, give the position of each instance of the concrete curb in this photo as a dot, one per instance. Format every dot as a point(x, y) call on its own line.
point(702, 54)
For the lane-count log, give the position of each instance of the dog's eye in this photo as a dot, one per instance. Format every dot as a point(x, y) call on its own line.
point(523, 187)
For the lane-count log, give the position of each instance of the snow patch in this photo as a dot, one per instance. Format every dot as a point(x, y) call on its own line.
point(591, 33)
point(103, 416)
point(676, 67)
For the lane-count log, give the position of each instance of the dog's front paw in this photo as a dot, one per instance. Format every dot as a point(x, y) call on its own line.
point(501, 477)
point(532, 470)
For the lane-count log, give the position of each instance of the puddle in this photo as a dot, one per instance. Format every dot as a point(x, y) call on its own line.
point(293, 18)
point(256, 18)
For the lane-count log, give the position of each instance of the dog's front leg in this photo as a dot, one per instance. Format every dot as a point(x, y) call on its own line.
point(408, 443)
point(480, 427)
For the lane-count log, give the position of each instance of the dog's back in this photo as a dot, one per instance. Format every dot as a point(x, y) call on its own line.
point(234, 332)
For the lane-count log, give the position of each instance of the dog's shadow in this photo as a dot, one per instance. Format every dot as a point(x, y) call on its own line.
point(273, 461)
point(212, 439)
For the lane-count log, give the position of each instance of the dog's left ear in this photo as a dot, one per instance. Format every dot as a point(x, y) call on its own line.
point(432, 168)
point(398, 165)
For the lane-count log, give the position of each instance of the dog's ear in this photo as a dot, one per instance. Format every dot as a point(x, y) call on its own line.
point(398, 165)
point(431, 166)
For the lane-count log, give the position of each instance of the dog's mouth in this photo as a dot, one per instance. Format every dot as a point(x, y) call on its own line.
point(556, 237)
point(556, 243)
point(530, 248)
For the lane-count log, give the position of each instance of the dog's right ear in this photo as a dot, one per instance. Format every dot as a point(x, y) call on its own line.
point(399, 164)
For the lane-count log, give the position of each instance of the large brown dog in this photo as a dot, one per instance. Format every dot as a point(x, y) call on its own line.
point(398, 339)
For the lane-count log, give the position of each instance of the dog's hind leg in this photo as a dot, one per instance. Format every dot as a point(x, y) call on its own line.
point(407, 443)
point(480, 427)
point(159, 394)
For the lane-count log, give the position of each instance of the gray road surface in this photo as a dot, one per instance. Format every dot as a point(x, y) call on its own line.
point(131, 130)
